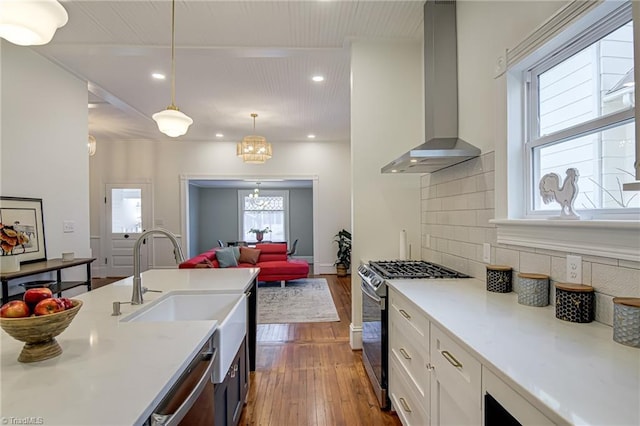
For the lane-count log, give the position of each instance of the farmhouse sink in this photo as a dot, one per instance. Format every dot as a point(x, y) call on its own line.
point(230, 310)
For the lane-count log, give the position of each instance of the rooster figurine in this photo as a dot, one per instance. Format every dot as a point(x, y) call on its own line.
point(550, 190)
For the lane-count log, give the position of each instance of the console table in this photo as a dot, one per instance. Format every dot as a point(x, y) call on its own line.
point(57, 265)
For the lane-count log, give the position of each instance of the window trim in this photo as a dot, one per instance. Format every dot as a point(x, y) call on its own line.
point(263, 192)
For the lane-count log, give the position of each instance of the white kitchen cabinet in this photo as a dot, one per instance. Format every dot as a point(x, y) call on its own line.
point(409, 387)
point(456, 397)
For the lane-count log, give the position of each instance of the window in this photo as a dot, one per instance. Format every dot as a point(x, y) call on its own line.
point(581, 109)
point(269, 209)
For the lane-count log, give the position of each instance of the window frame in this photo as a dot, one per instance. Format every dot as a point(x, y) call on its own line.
point(242, 193)
point(532, 139)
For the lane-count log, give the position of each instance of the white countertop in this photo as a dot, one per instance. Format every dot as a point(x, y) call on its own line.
point(573, 373)
point(111, 373)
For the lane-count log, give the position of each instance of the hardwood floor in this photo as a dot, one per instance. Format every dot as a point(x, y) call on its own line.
point(307, 374)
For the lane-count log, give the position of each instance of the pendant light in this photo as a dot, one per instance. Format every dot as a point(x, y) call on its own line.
point(254, 149)
point(31, 22)
point(171, 121)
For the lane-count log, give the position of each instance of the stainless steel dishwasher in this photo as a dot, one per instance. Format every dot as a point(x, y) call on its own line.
point(191, 397)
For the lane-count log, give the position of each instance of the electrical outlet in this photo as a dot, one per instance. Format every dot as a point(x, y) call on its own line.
point(68, 226)
point(486, 253)
point(574, 269)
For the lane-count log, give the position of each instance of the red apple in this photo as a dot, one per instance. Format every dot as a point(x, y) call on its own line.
point(15, 309)
point(35, 295)
point(68, 304)
point(48, 306)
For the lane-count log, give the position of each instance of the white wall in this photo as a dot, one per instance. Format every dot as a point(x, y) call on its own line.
point(44, 146)
point(162, 164)
point(387, 119)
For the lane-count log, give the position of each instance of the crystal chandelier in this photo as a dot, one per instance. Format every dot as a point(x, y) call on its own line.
point(171, 121)
point(28, 23)
point(254, 149)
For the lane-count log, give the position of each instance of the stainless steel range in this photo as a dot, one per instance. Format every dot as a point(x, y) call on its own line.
point(375, 318)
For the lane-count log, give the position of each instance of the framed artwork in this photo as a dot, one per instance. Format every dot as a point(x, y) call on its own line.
point(22, 229)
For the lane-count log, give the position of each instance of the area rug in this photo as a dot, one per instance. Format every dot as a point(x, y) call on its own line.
point(305, 300)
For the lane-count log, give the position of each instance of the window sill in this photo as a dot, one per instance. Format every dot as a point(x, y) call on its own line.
point(605, 238)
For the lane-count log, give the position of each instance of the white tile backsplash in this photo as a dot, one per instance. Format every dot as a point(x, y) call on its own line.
point(458, 204)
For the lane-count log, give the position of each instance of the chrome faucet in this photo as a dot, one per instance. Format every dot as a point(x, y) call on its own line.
point(136, 297)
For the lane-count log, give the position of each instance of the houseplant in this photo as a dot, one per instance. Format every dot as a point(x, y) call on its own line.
point(343, 238)
point(259, 232)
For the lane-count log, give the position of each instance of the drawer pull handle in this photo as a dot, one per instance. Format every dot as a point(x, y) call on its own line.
point(404, 353)
point(405, 314)
point(405, 405)
point(430, 367)
point(452, 360)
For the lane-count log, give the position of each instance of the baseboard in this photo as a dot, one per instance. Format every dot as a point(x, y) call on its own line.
point(355, 336)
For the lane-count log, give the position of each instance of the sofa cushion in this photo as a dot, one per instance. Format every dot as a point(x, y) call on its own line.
point(272, 252)
point(279, 267)
point(249, 255)
point(226, 257)
point(206, 263)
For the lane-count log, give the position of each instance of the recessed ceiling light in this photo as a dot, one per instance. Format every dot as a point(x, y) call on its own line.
point(92, 105)
point(311, 136)
point(394, 171)
point(158, 76)
point(219, 135)
point(413, 160)
point(317, 78)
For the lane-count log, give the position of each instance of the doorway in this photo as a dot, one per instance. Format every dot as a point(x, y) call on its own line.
point(128, 214)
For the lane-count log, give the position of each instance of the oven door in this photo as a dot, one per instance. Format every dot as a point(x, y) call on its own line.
point(374, 342)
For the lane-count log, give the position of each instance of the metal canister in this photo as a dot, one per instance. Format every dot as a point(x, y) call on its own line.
point(499, 278)
point(533, 289)
point(575, 302)
point(626, 321)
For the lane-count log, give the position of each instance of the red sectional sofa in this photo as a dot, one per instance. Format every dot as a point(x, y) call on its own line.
point(273, 263)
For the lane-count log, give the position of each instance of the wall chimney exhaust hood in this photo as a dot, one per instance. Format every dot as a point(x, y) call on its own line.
point(442, 148)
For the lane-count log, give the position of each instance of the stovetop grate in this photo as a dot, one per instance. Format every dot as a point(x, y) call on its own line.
point(402, 269)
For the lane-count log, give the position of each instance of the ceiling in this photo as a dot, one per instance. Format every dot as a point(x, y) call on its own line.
point(233, 58)
point(252, 183)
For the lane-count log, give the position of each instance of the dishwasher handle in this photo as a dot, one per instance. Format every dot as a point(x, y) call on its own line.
point(160, 417)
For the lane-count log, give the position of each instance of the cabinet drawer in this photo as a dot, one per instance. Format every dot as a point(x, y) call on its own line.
point(409, 406)
point(411, 356)
point(405, 315)
point(456, 368)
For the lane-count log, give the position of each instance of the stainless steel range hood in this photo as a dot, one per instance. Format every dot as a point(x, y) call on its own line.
point(442, 148)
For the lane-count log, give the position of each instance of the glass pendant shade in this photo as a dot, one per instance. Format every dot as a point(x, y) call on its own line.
point(31, 22)
point(254, 149)
point(91, 145)
point(172, 122)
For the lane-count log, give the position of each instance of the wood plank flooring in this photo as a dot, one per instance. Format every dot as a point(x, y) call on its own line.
point(307, 374)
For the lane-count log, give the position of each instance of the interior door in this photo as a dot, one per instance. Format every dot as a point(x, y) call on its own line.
point(128, 214)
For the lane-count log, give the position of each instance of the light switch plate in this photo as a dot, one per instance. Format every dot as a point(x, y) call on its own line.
point(574, 269)
point(68, 226)
point(486, 253)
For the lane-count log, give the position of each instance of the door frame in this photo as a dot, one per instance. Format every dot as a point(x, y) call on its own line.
point(184, 202)
point(105, 226)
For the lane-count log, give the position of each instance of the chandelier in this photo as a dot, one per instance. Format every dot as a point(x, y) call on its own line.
point(171, 121)
point(255, 196)
point(91, 145)
point(28, 23)
point(254, 149)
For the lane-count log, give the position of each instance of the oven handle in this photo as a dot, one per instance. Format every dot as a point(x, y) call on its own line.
point(370, 294)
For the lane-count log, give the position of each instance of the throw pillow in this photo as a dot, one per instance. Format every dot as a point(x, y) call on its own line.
point(226, 257)
point(236, 252)
point(249, 255)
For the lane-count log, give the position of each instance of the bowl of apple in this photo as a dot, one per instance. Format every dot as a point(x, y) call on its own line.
point(37, 320)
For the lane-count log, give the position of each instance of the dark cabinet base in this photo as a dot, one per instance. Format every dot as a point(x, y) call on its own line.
point(231, 394)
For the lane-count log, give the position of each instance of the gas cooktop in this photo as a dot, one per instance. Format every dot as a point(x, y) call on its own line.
point(402, 269)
